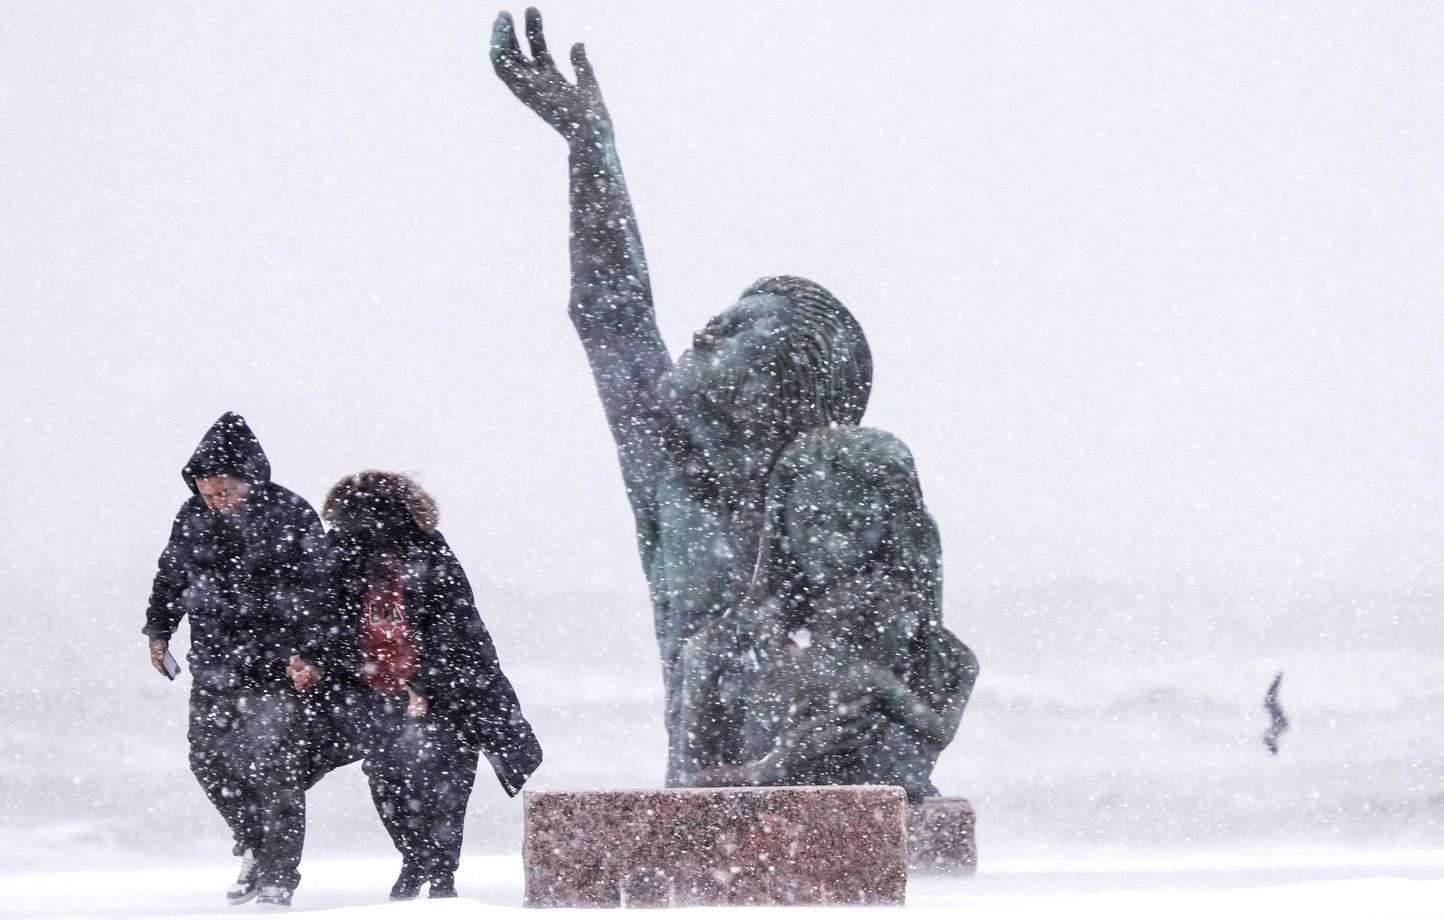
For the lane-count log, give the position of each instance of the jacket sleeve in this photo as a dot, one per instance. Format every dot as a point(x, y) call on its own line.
point(318, 608)
point(165, 610)
point(302, 544)
point(457, 655)
point(460, 672)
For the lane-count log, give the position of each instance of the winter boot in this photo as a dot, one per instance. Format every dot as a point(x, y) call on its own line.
point(442, 886)
point(409, 882)
point(274, 896)
point(246, 883)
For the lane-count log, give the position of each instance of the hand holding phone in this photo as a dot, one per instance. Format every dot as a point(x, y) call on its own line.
point(169, 666)
point(162, 660)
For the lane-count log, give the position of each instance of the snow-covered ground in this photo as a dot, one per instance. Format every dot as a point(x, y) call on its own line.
point(1275, 884)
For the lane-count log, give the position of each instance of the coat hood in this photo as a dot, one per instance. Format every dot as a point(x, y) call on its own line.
point(373, 498)
point(229, 448)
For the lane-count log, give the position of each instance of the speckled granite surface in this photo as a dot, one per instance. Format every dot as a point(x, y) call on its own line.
point(942, 837)
point(688, 847)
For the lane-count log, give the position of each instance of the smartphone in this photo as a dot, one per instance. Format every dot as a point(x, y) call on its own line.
point(169, 666)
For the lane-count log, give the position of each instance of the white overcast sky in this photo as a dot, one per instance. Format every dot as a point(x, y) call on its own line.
point(1153, 289)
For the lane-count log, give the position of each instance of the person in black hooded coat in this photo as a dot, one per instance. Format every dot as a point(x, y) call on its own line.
point(235, 565)
point(396, 645)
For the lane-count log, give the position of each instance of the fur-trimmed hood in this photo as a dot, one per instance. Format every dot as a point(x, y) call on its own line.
point(381, 498)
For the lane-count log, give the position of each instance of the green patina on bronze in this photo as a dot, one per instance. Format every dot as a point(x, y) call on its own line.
point(795, 573)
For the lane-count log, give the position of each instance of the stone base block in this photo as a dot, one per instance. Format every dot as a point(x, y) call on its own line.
point(942, 837)
point(701, 847)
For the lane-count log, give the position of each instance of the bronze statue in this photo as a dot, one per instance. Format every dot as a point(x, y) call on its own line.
point(795, 574)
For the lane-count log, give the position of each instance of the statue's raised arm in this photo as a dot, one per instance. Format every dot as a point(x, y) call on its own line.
point(611, 298)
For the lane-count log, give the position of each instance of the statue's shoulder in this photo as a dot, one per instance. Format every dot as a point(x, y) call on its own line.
point(867, 452)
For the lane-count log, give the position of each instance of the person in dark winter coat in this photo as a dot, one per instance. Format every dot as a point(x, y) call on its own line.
point(235, 565)
point(398, 648)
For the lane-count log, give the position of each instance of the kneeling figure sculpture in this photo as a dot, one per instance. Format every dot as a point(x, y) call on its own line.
point(795, 573)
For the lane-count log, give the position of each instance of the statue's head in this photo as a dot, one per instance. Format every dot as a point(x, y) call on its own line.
point(787, 357)
point(841, 501)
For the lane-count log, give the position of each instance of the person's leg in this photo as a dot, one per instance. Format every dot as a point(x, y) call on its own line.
point(218, 767)
point(449, 777)
point(270, 726)
point(392, 746)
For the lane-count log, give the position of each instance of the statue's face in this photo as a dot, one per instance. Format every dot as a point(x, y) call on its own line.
point(726, 385)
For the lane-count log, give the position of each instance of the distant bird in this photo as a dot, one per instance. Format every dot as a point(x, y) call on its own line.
point(1278, 722)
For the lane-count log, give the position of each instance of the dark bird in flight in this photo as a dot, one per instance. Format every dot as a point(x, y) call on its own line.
point(1278, 722)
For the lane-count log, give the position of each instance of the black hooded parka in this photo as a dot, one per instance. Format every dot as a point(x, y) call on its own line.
point(237, 576)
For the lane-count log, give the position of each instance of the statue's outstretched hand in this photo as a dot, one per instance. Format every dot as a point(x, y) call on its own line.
point(574, 109)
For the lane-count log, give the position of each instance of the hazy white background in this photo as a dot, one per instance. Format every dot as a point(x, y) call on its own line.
point(1153, 290)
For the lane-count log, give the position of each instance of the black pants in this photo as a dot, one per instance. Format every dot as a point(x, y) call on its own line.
point(421, 772)
point(248, 753)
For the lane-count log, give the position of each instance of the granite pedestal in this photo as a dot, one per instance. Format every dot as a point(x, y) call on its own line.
point(793, 845)
point(942, 837)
